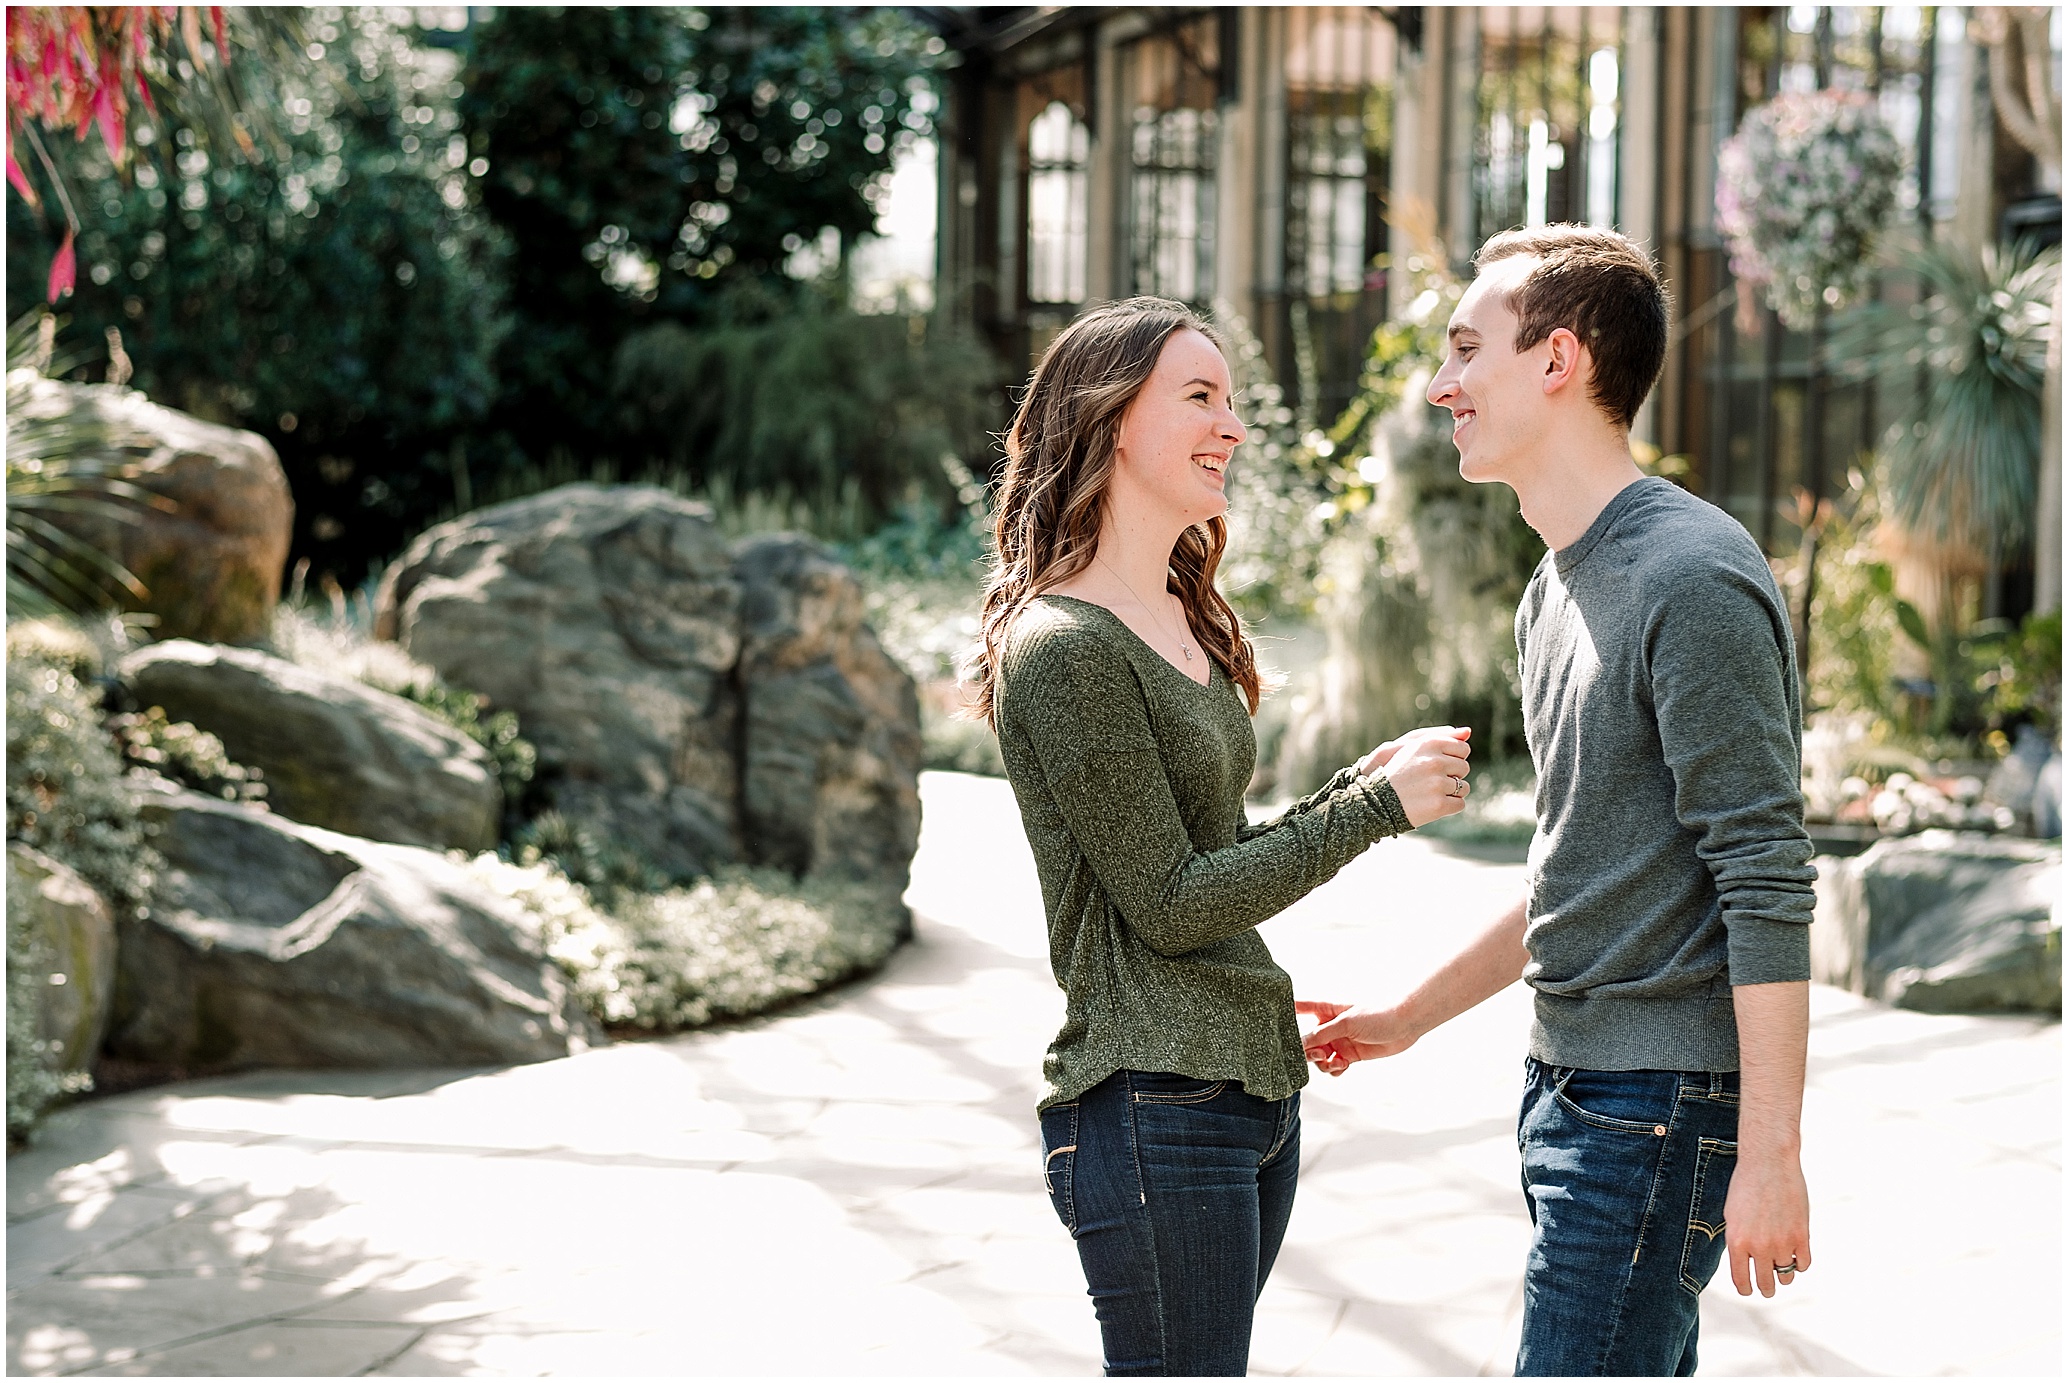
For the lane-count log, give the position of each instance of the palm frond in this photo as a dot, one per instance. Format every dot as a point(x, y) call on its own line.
point(1962, 460)
point(63, 466)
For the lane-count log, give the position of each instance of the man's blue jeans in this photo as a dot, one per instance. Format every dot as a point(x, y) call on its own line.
point(1626, 1174)
point(1177, 1192)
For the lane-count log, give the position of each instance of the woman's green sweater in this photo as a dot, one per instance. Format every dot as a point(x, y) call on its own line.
point(1130, 777)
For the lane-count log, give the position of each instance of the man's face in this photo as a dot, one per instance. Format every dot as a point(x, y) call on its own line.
point(1495, 395)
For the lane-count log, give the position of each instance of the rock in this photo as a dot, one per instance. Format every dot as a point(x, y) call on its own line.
point(2028, 781)
point(1943, 922)
point(272, 943)
point(704, 705)
point(336, 753)
point(76, 934)
point(830, 783)
point(212, 563)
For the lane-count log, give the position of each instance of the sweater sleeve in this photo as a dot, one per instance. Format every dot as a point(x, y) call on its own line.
point(1086, 719)
point(1389, 803)
point(1722, 676)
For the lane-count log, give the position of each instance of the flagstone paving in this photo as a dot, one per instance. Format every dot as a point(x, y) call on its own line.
point(852, 1186)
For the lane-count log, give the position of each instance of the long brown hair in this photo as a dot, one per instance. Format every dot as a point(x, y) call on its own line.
point(1058, 460)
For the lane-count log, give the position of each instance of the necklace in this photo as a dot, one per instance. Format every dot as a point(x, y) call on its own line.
point(1183, 647)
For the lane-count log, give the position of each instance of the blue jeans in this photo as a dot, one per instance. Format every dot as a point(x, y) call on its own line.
point(1177, 1192)
point(1626, 1174)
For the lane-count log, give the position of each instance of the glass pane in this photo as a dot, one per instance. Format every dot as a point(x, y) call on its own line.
point(1058, 188)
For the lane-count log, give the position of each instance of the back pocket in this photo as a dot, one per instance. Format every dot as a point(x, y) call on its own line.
point(1059, 1161)
point(1704, 1248)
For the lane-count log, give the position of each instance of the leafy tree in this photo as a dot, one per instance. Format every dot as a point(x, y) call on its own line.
point(643, 161)
point(336, 292)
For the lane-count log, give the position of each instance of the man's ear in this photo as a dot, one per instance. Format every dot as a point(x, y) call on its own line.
point(1562, 365)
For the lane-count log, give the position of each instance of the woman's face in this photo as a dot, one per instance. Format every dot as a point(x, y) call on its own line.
point(1177, 435)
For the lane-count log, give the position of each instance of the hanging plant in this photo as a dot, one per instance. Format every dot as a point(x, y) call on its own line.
point(1802, 191)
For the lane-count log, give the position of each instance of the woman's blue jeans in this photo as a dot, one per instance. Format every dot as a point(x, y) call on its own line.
point(1626, 1174)
point(1177, 1192)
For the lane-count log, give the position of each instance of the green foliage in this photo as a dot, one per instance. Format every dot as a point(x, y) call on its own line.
point(1963, 459)
point(1983, 680)
point(66, 791)
point(516, 759)
point(609, 871)
point(336, 292)
point(811, 400)
point(59, 463)
point(1855, 624)
point(724, 947)
point(1420, 570)
point(1278, 491)
point(2027, 676)
point(190, 757)
point(34, 1084)
point(642, 161)
point(1401, 349)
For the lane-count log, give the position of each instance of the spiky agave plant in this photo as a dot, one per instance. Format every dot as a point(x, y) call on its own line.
point(61, 464)
point(1962, 461)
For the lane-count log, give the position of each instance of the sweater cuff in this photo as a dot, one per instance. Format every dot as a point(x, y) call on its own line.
point(1764, 951)
point(1385, 802)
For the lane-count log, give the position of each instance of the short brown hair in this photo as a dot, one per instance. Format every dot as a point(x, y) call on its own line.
point(1602, 288)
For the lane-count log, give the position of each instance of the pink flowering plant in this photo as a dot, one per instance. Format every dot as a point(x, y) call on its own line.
point(1802, 191)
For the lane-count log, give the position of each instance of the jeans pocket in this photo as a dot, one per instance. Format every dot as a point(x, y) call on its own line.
point(1162, 1087)
point(1058, 1161)
point(1699, 1257)
point(1618, 1101)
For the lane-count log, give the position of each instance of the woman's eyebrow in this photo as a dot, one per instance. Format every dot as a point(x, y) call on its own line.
point(1197, 380)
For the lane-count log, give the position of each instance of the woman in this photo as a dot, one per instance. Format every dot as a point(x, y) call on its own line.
point(1120, 685)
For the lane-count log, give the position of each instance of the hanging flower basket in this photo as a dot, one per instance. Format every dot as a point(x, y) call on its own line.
point(1802, 191)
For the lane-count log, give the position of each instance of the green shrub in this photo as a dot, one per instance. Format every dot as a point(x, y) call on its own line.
point(888, 396)
point(190, 757)
point(724, 947)
point(516, 759)
point(607, 870)
point(66, 790)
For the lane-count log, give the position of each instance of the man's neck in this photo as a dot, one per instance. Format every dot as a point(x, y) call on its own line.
point(1562, 496)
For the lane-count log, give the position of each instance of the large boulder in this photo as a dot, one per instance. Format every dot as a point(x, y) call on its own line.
point(211, 562)
point(704, 704)
point(1943, 922)
point(336, 753)
point(272, 943)
point(74, 935)
point(830, 777)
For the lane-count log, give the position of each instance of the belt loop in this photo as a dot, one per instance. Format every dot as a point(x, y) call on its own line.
point(1715, 1084)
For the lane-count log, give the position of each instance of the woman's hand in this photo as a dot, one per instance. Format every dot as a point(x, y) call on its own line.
point(1428, 769)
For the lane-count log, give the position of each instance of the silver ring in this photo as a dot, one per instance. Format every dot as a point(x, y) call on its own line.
point(1457, 786)
point(1788, 1267)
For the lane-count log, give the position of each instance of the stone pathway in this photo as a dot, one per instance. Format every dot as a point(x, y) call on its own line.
point(851, 1187)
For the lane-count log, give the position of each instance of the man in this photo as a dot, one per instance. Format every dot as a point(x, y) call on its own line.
point(1669, 886)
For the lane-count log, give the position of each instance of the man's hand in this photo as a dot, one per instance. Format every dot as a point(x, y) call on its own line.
point(1766, 1220)
point(1490, 962)
point(1766, 1213)
point(1349, 1034)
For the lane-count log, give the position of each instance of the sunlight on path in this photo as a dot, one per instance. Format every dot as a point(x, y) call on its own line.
point(852, 1186)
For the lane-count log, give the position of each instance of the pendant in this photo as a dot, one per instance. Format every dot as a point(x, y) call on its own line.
point(1188, 653)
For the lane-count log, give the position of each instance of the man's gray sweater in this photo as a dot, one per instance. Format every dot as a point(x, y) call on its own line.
point(1670, 860)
